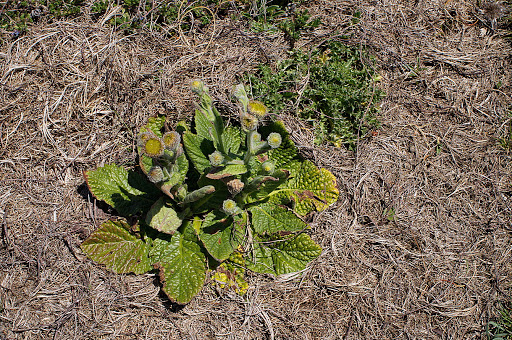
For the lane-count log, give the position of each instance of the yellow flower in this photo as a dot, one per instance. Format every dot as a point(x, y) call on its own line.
point(274, 140)
point(153, 147)
point(216, 158)
point(171, 140)
point(257, 108)
point(249, 122)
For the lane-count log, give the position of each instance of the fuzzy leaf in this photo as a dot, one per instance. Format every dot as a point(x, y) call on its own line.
point(308, 188)
point(227, 171)
point(263, 189)
point(260, 260)
point(181, 264)
point(232, 139)
point(271, 218)
point(294, 254)
point(155, 124)
point(203, 126)
point(283, 257)
point(115, 246)
point(221, 234)
point(126, 191)
point(198, 149)
point(163, 217)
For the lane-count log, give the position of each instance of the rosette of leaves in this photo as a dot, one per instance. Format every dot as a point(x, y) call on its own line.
point(237, 207)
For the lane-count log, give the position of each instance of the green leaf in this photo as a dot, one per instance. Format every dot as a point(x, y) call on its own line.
point(227, 171)
point(282, 257)
point(271, 218)
point(163, 217)
point(198, 149)
point(203, 126)
point(181, 263)
point(222, 234)
point(308, 188)
point(259, 259)
point(294, 255)
point(155, 124)
point(268, 184)
point(115, 246)
point(182, 163)
point(232, 139)
point(126, 191)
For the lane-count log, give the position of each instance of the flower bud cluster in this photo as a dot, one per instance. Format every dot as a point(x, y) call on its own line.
point(164, 150)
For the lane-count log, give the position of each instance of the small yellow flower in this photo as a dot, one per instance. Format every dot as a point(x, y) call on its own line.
point(249, 122)
point(197, 86)
point(268, 167)
point(229, 207)
point(216, 158)
point(274, 140)
point(154, 147)
point(257, 108)
point(171, 140)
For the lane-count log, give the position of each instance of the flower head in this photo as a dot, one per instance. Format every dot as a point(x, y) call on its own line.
point(171, 140)
point(249, 122)
point(230, 207)
point(197, 87)
point(216, 158)
point(156, 174)
point(153, 146)
point(235, 186)
point(268, 167)
point(274, 140)
point(257, 108)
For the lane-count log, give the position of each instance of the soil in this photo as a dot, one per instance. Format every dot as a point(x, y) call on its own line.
point(419, 246)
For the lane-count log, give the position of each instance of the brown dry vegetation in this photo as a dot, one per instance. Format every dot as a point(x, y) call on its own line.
point(74, 93)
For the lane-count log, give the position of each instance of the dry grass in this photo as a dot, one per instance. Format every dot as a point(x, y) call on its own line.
point(73, 93)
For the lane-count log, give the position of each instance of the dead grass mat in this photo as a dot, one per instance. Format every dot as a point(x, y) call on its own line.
point(418, 247)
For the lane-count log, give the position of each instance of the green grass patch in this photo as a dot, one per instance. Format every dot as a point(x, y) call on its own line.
point(332, 87)
point(501, 328)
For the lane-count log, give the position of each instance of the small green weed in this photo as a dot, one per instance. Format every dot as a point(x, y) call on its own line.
point(501, 329)
point(331, 87)
point(296, 25)
point(506, 140)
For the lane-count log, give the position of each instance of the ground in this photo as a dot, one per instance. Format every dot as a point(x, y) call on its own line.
point(419, 245)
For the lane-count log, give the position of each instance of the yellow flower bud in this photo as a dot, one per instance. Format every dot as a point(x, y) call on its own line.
point(153, 147)
point(257, 108)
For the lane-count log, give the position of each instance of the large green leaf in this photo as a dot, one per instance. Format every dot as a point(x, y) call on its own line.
point(271, 218)
point(282, 256)
point(259, 259)
point(126, 191)
point(308, 188)
point(294, 254)
point(204, 128)
point(163, 217)
point(198, 149)
point(181, 263)
point(232, 139)
point(222, 234)
point(227, 171)
point(261, 187)
point(115, 246)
